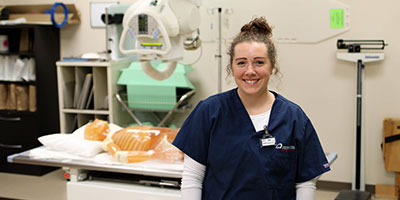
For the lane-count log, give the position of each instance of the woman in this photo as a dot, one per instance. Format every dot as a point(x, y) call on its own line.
point(249, 142)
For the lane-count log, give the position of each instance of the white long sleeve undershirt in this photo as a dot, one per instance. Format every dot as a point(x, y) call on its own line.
point(192, 179)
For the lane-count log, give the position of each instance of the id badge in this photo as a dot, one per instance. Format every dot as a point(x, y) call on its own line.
point(267, 141)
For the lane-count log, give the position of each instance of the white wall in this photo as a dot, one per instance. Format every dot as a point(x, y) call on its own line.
point(312, 77)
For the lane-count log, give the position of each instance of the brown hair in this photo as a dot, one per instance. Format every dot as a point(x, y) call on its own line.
point(257, 30)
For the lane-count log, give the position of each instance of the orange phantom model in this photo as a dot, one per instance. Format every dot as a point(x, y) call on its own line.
point(141, 143)
point(97, 130)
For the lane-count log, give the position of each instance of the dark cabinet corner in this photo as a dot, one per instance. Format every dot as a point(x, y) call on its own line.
point(20, 129)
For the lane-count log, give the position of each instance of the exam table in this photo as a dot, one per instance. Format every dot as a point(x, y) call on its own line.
point(91, 179)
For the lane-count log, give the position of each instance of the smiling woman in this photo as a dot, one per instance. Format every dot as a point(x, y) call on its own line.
point(257, 31)
point(252, 62)
point(251, 69)
point(250, 142)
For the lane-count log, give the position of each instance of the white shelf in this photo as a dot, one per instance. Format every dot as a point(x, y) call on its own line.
point(71, 76)
point(83, 64)
point(88, 111)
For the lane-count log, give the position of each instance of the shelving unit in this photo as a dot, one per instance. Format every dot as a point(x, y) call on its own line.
point(21, 128)
point(71, 76)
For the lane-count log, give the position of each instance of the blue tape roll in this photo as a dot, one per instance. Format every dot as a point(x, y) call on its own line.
point(53, 10)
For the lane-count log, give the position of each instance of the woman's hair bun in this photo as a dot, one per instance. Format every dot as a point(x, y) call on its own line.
point(258, 25)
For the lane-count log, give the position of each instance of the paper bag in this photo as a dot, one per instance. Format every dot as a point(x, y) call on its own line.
point(11, 98)
point(32, 98)
point(21, 94)
point(3, 96)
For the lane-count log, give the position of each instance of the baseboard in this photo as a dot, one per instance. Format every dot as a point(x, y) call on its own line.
point(337, 186)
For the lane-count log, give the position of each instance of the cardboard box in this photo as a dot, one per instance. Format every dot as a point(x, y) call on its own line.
point(385, 191)
point(391, 150)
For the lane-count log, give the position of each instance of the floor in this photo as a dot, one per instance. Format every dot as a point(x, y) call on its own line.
point(52, 186)
point(330, 195)
point(325, 195)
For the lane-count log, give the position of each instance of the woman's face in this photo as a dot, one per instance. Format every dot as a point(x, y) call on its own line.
point(251, 68)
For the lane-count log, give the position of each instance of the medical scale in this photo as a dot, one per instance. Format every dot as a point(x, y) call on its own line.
point(354, 54)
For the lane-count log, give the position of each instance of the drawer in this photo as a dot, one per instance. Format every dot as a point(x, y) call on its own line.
point(6, 151)
point(19, 130)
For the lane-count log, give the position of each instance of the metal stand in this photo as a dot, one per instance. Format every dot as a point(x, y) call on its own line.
point(360, 70)
point(219, 56)
point(180, 105)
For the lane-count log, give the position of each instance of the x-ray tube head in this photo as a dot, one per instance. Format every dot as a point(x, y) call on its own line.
point(159, 29)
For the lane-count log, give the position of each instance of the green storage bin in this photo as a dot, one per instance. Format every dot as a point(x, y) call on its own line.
point(146, 93)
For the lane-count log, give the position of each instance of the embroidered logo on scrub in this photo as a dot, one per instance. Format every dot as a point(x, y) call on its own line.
point(281, 147)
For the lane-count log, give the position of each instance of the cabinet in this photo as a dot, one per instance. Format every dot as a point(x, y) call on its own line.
point(103, 104)
point(20, 128)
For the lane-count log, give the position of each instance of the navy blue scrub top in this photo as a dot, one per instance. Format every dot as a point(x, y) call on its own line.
point(219, 134)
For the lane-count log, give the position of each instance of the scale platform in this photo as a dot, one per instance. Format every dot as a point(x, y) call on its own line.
point(353, 195)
